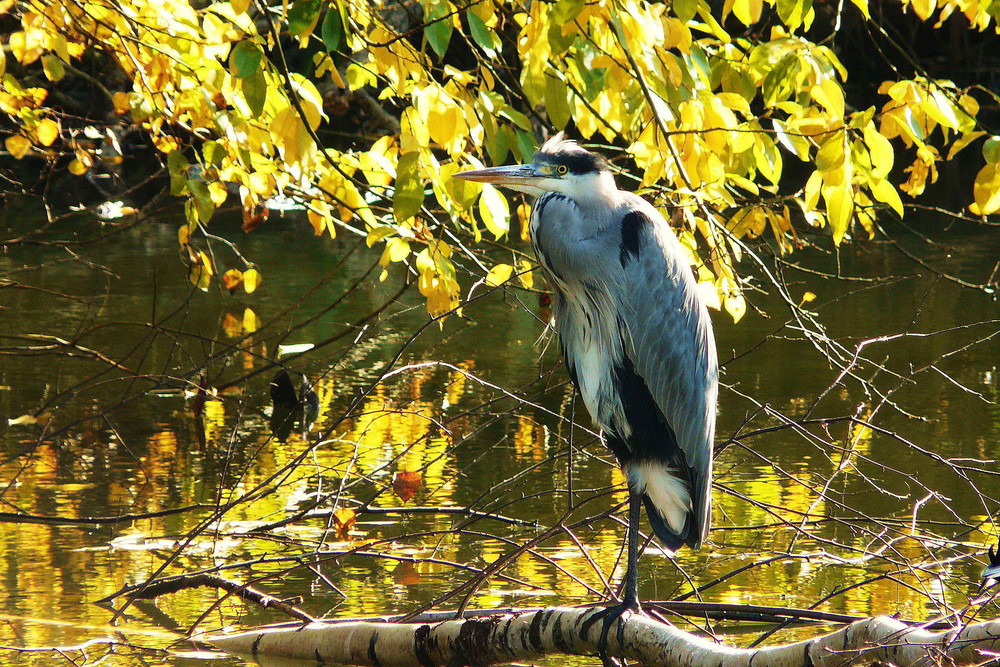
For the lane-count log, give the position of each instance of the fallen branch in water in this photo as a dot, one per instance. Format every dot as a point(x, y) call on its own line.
point(529, 635)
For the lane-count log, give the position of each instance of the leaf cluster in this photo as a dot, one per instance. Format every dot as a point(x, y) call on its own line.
point(718, 111)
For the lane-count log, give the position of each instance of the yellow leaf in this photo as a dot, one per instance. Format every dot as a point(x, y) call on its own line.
point(494, 211)
point(923, 8)
point(884, 192)
point(748, 11)
point(962, 142)
point(18, 146)
point(940, 108)
point(200, 273)
point(831, 154)
point(863, 6)
point(53, 67)
point(839, 208)
point(218, 193)
point(986, 190)
point(499, 274)
point(830, 96)
point(525, 273)
point(396, 250)
point(239, 6)
point(812, 191)
point(319, 220)
point(166, 144)
point(251, 279)
point(880, 150)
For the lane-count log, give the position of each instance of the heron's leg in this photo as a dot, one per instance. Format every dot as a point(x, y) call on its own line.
point(630, 599)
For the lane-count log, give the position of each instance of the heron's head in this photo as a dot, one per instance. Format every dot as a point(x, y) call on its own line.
point(560, 165)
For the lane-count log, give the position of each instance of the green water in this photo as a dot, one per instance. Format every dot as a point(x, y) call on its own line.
point(107, 342)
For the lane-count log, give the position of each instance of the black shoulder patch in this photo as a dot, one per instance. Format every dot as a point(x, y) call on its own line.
point(632, 225)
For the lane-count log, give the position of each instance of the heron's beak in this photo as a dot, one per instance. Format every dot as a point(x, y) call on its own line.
point(511, 176)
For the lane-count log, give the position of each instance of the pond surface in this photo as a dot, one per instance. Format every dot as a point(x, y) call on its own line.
point(146, 450)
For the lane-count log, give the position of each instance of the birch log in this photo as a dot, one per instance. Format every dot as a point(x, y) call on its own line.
point(489, 640)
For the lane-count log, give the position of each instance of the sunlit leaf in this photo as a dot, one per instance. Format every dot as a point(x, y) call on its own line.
point(839, 209)
point(482, 35)
point(53, 67)
point(200, 271)
point(409, 194)
point(884, 192)
point(986, 190)
point(396, 250)
point(863, 6)
point(494, 211)
point(251, 280)
point(18, 146)
point(499, 274)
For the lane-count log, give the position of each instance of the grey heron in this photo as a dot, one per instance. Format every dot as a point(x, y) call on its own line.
point(635, 335)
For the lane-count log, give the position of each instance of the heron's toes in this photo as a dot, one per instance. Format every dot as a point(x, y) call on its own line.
point(616, 612)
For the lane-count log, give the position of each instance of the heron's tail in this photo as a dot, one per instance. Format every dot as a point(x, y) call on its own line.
point(672, 541)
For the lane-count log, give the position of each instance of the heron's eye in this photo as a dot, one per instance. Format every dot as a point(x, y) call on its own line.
point(562, 169)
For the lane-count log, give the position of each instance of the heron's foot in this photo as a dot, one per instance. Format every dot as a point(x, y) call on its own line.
point(616, 612)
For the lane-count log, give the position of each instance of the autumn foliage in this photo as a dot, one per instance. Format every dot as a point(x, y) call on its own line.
point(740, 116)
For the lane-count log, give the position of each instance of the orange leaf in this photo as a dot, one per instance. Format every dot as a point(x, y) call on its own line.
point(254, 217)
point(405, 484)
point(232, 279)
point(344, 519)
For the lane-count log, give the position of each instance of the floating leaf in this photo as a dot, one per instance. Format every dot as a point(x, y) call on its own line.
point(406, 483)
point(343, 520)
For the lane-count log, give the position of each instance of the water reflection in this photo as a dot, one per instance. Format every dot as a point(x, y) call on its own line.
point(443, 464)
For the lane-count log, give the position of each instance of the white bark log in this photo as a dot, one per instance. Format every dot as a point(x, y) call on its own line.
point(505, 638)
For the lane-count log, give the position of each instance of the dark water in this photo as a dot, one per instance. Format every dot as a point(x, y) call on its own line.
point(108, 342)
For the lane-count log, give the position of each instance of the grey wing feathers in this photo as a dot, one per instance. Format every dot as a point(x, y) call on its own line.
point(669, 339)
